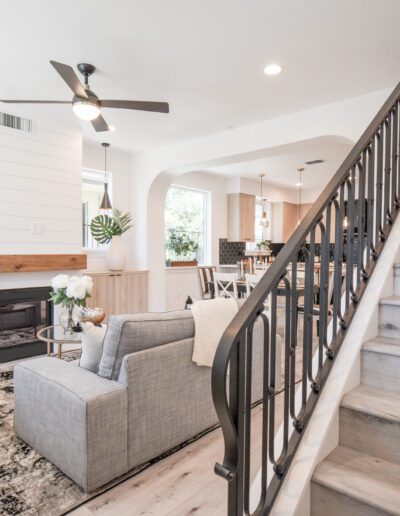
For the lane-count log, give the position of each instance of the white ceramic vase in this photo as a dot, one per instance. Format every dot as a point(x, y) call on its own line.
point(116, 254)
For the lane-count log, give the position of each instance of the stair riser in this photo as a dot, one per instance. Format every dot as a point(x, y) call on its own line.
point(380, 371)
point(327, 502)
point(389, 321)
point(369, 434)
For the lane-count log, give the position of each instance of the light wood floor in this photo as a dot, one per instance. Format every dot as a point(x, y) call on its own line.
point(182, 484)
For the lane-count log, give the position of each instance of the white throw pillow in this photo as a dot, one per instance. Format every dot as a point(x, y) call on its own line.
point(92, 345)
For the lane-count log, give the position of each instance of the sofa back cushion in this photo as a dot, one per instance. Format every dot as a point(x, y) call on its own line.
point(130, 333)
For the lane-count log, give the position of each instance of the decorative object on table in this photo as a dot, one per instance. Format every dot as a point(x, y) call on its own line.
point(109, 228)
point(188, 303)
point(70, 291)
point(264, 223)
point(92, 315)
point(105, 201)
point(92, 346)
point(183, 246)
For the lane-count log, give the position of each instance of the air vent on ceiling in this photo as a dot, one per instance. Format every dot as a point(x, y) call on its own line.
point(315, 161)
point(16, 122)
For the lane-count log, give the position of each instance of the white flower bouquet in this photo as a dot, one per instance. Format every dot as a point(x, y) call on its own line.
point(70, 291)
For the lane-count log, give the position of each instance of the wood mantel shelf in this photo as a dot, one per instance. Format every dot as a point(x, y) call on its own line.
point(42, 262)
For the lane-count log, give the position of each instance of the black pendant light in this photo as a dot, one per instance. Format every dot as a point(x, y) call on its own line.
point(105, 202)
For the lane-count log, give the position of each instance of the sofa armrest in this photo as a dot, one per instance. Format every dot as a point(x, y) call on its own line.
point(169, 399)
point(73, 417)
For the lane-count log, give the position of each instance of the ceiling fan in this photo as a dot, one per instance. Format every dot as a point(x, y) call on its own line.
point(85, 103)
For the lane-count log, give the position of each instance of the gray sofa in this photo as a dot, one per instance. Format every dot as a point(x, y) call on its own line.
point(147, 397)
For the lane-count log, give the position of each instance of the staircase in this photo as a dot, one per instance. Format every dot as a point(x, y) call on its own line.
point(348, 226)
point(361, 477)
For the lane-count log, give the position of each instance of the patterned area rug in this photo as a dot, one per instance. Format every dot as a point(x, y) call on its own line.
point(29, 483)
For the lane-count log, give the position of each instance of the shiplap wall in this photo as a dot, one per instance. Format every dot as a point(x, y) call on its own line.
point(40, 182)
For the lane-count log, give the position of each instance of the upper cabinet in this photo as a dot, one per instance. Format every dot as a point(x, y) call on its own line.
point(241, 217)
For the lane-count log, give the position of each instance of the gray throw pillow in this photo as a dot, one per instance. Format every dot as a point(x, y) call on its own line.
point(92, 346)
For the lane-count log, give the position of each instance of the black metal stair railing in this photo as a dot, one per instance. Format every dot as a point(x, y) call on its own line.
point(347, 226)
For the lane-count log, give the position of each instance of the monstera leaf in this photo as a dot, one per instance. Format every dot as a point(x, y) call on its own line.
point(103, 228)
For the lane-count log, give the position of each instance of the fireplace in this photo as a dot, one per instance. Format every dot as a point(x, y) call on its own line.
point(23, 312)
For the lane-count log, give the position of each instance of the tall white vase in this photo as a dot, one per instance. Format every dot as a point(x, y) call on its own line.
point(116, 254)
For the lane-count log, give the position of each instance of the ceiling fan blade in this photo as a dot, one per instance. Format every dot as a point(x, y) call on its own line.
point(37, 101)
point(70, 77)
point(159, 107)
point(100, 124)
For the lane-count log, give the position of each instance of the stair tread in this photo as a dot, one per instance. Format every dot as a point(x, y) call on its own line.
point(391, 300)
point(365, 478)
point(374, 402)
point(384, 345)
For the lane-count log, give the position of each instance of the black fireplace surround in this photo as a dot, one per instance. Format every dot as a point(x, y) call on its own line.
point(23, 312)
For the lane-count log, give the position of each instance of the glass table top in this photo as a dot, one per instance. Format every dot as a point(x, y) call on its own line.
point(56, 334)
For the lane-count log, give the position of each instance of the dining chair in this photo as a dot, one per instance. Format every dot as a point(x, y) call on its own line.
point(225, 284)
point(206, 276)
point(251, 282)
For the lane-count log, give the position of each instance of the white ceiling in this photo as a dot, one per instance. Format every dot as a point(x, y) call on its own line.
point(206, 58)
point(280, 164)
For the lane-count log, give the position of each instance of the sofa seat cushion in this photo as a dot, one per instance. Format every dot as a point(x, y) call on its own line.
point(128, 334)
point(74, 418)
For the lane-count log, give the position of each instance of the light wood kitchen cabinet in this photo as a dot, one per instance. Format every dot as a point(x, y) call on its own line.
point(241, 217)
point(124, 292)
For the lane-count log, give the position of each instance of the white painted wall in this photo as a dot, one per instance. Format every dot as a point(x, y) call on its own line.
point(119, 164)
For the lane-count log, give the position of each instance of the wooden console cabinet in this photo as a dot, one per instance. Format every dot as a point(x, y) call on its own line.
point(124, 292)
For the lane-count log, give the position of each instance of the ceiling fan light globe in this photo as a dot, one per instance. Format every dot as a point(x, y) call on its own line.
point(85, 110)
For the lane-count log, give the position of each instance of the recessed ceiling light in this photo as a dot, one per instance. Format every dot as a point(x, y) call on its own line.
point(272, 69)
point(299, 184)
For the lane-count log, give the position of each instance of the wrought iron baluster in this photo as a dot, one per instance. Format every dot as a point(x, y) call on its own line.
point(393, 148)
point(386, 197)
point(361, 218)
point(272, 382)
point(323, 301)
point(379, 186)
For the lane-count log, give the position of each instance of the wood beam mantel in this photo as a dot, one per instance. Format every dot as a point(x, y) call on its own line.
point(42, 262)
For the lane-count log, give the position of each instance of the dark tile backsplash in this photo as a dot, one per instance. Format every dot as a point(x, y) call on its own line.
point(230, 252)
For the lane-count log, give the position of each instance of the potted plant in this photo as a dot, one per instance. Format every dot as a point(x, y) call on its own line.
point(182, 246)
point(70, 291)
point(109, 228)
point(264, 245)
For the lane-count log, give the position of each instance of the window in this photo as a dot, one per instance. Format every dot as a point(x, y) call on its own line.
point(186, 225)
point(92, 193)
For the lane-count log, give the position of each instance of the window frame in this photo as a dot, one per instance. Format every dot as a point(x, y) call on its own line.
point(206, 220)
point(94, 176)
